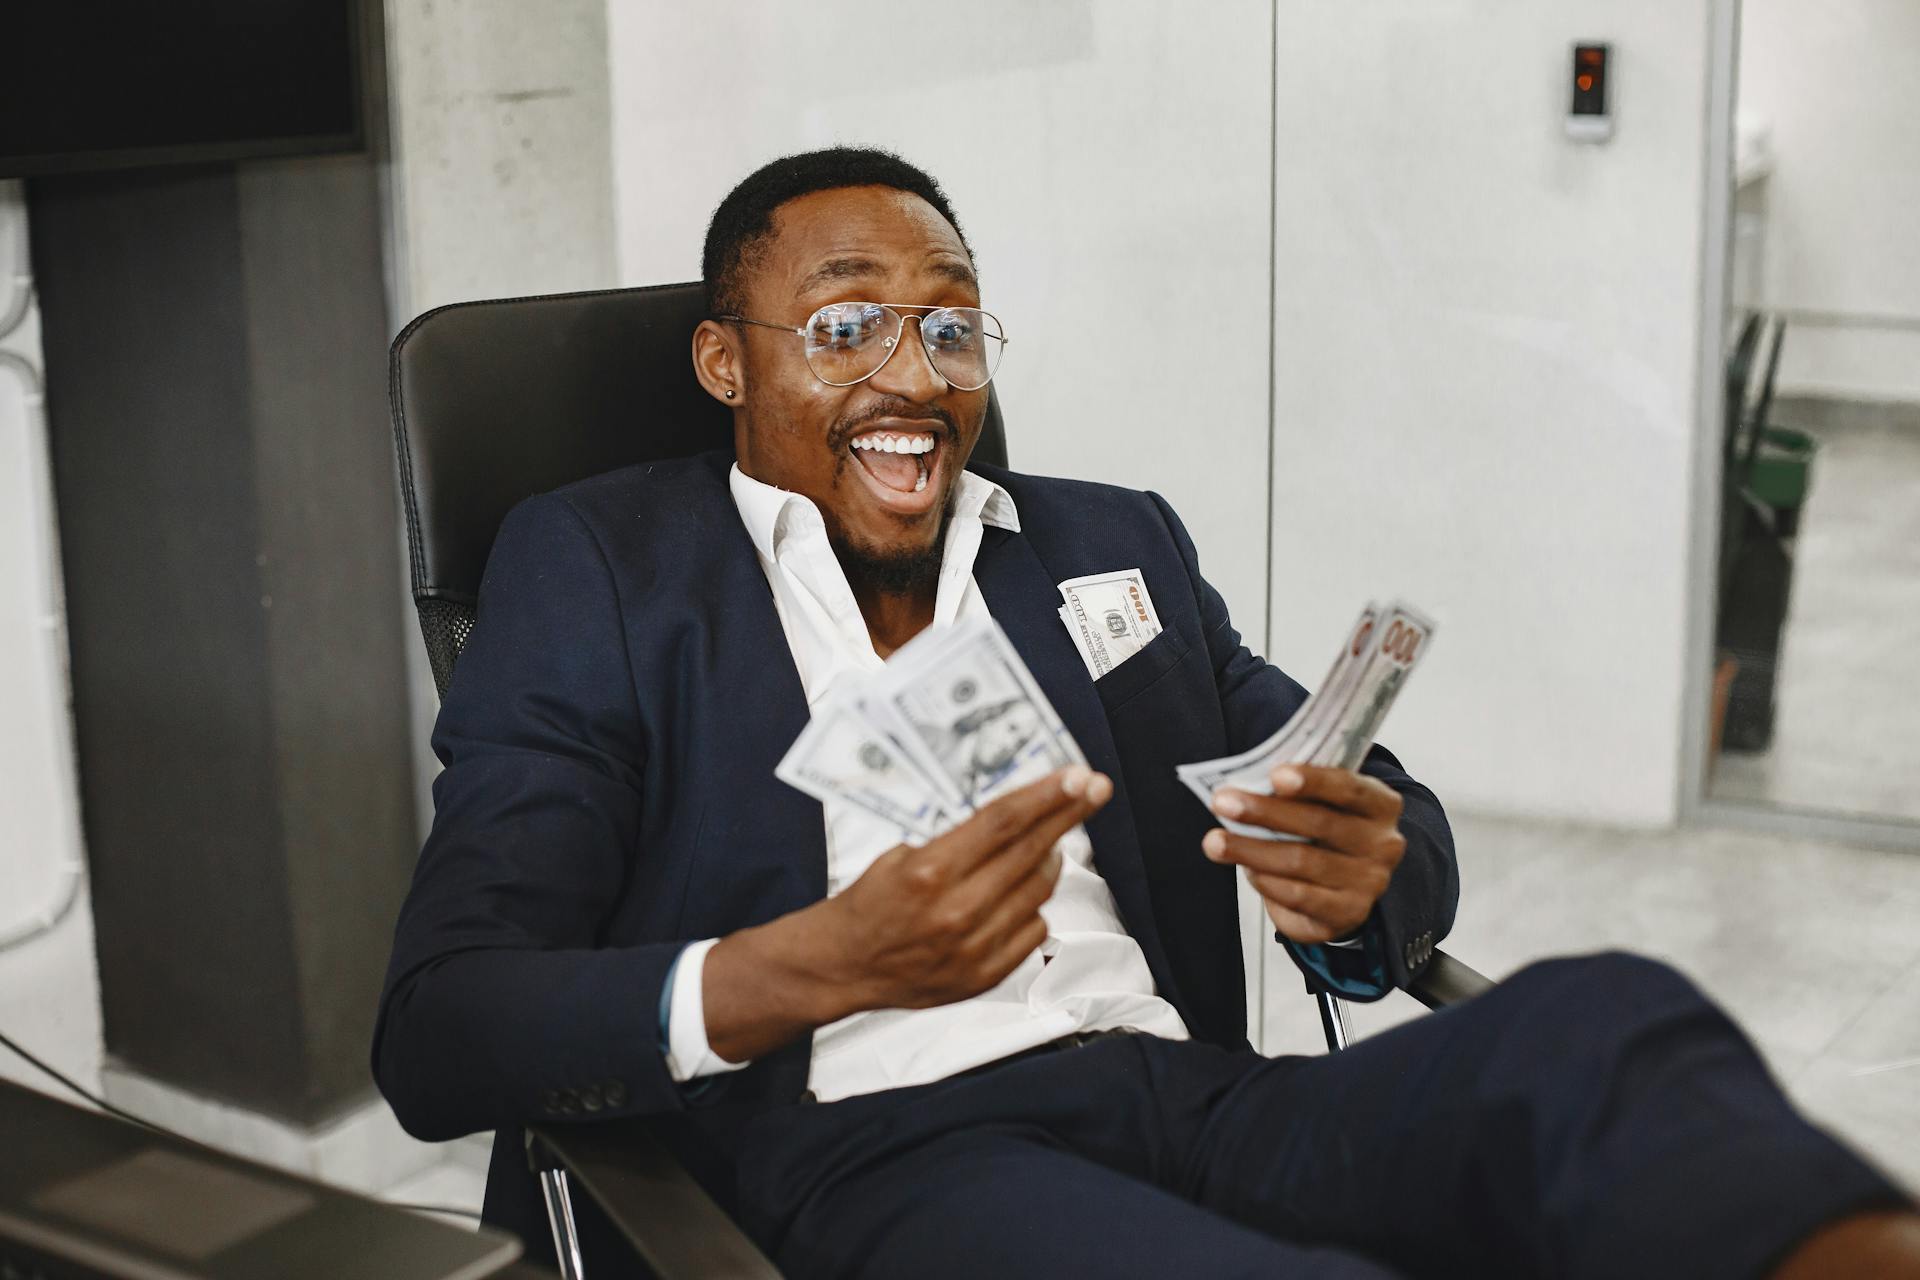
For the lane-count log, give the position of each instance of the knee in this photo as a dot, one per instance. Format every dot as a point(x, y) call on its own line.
point(1605, 1002)
point(1611, 978)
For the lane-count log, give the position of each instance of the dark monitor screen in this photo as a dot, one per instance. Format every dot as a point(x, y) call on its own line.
point(90, 84)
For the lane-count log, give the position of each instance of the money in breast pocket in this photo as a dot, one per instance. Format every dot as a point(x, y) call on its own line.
point(1110, 617)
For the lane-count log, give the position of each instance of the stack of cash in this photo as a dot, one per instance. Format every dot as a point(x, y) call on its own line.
point(1337, 723)
point(953, 720)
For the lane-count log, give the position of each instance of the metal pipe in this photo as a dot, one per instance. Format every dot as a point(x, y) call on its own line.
point(1333, 1021)
point(566, 1235)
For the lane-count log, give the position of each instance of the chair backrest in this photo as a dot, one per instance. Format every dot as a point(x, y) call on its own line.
point(495, 401)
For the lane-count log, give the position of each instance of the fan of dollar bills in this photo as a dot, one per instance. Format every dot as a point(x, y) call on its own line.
point(955, 719)
point(1338, 722)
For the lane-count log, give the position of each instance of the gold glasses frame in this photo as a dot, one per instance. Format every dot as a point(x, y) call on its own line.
point(891, 343)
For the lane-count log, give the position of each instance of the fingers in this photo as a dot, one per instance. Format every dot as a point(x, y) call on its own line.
point(1313, 893)
point(1305, 863)
point(1021, 942)
point(1299, 928)
point(1340, 788)
point(1061, 799)
point(1335, 909)
point(1019, 906)
point(1034, 854)
point(1374, 839)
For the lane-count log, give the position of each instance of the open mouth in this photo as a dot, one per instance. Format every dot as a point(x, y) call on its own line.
point(901, 466)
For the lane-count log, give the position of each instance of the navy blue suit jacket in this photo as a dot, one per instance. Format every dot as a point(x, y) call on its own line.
point(610, 737)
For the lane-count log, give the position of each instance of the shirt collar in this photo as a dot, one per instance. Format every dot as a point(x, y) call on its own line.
point(769, 513)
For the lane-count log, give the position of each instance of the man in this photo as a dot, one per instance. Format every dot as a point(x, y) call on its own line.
point(1018, 1049)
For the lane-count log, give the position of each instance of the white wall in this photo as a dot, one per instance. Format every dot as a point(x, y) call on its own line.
point(1484, 381)
point(1835, 82)
point(49, 984)
point(1101, 157)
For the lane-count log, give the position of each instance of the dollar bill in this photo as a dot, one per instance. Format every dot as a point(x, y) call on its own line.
point(953, 720)
point(841, 755)
point(1110, 616)
point(1391, 659)
point(1338, 722)
point(1247, 768)
point(965, 706)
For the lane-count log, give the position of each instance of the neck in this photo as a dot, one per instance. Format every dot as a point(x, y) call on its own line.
point(893, 618)
point(896, 591)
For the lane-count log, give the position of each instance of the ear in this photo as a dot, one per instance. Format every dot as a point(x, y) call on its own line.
point(719, 361)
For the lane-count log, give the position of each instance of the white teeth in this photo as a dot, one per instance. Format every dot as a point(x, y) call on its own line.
point(921, 483)
point(895, 444)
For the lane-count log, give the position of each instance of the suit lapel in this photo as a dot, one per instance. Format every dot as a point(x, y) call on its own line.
point(1023, 599)
point(753, 693)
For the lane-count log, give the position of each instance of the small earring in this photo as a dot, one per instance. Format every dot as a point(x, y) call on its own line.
point(729, 393)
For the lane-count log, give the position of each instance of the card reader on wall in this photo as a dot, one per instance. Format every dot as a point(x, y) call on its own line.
point(1590, 117)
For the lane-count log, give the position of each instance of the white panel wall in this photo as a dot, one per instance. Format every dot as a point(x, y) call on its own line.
point(49, 985)
point(1105, 159)
point(1835, 83)
point(1484, 381)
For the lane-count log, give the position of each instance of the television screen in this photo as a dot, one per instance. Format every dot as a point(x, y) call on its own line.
point(94, 84)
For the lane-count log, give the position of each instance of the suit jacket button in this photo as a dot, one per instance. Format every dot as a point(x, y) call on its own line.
point(550, 1100)
point(590, 1098)
point(616, 1092)
point(569, 1103)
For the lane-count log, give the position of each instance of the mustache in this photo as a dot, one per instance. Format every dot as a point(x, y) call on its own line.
point(847, 428)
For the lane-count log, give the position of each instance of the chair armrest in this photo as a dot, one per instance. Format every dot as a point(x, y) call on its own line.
point(1446, 981)
point(668, 1217)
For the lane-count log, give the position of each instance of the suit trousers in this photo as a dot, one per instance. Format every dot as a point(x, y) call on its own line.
point(1590, 1117)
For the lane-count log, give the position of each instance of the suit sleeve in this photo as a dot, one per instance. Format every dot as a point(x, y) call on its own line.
point(499, 1008)
point(1417, 909)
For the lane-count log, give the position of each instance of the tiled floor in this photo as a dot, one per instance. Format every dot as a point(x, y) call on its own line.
point(1847, 728)
point(1814, 949)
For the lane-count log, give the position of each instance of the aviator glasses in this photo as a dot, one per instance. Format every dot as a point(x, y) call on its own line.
point(849, 342)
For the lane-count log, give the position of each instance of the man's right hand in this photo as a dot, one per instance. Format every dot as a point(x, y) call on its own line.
point(921, 927)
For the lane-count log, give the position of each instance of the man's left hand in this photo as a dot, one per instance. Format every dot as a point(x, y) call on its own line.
point(1325, 888)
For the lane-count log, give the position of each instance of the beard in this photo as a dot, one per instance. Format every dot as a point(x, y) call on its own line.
point(878, 571)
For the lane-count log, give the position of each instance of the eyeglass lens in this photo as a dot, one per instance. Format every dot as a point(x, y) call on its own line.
point(849, 341)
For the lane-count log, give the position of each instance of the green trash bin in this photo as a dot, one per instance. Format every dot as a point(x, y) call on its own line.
point(1782, 474)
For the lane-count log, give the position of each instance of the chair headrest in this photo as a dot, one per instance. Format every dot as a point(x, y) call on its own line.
point(496, 401)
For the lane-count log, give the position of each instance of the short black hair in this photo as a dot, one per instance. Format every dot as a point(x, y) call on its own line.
point(744, 220)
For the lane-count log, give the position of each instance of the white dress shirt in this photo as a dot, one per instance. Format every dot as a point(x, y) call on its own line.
point(1088, 975)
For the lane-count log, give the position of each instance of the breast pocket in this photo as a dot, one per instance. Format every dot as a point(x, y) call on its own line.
point(1136, 674)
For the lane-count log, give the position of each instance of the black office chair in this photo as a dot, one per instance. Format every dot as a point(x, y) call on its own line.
point(494, 402)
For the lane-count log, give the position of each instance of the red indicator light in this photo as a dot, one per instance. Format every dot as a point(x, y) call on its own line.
point(1585, 81)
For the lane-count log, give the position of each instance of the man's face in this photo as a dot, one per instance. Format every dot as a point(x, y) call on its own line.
point(871, 244)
